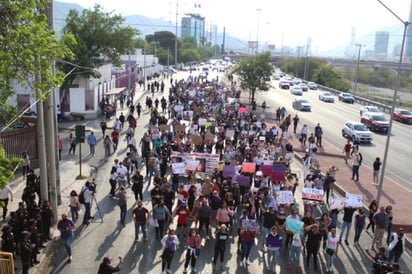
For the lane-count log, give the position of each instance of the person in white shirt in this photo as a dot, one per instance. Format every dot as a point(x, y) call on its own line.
point(5, 195)
point(117, 125)
point(122, 175)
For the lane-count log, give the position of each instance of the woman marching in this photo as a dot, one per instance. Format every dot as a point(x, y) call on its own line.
point(193, 249)
point(170, 243)
point(332, 245)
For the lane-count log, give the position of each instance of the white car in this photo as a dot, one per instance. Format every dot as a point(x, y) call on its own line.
point(296, 90)
point(326, 96)
point(369, 109)
point(357, 132)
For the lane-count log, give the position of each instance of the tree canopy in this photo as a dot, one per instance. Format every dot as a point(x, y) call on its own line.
point(255, 73)
point(100, 37)
point(27, 48)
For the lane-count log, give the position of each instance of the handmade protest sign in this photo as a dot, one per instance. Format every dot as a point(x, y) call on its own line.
point(337, 203)
point(294, 225)
point(249, 167)
point(250, 225)
point(266, 169)
point(229, 171)
point(312, 194)
point(243, 181)
point(285, 197)
point(354, 200)
point(178, 168)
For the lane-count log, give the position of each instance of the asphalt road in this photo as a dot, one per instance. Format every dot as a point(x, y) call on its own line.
point(332, 116)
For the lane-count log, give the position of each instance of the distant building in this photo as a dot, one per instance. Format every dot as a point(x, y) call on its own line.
point(381, 45)
point(194, 25)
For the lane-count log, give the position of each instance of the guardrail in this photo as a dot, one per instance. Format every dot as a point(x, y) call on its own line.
point(360, 100)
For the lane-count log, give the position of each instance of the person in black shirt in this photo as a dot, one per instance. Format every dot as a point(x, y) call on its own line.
point(313, 241)
point(137, 186)
point(105, 266)
point(347, 223)
point(221, 238)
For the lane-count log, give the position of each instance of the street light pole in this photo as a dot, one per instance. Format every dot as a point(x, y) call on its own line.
point(257, 32)
point(395, 94)
point(177, 13)
point(357, 68)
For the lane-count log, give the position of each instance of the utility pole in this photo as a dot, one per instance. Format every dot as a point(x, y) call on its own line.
point(357, 68)
point(297, 61)
point(50, 116)
point(177, 13)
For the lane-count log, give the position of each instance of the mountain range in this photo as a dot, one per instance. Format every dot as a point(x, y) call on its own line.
point(145, 25)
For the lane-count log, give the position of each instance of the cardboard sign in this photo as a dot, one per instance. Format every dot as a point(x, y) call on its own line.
point(312, 194)
point(354, 200)
point(249, 167)
point(285, 197)
point(209, 137)
point(229, 171)
point(266, 169)
point(196, 139)
point(178, 168)
point(180, 128)
point(294, 225)
point(337, 203)
point(250, 225)
point(164, 127)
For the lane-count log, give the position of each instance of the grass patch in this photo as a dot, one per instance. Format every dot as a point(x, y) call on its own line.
point(81, 177)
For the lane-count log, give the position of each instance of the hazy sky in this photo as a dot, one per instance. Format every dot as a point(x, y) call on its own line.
point(288, 22)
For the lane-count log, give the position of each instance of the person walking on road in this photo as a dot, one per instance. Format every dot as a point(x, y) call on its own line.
point(221, 238)
point(87, 193)
point(248, 239)
point(273, 243)
point(332, 247)
point(313, 241)
point(122, 203)
point(74, 205)
point(346, 151)
point(303, 135)
point(140, 217)
point(66, 227)
point(373, 208)
point(193, 243)
point(5, 194)
point(295, 251)
point(318, 135)
point(397, 245)
point(376, 167)
point(381, 220)
point(170, 242)
point(356, 162)
point(92, 141)
point(295, 123)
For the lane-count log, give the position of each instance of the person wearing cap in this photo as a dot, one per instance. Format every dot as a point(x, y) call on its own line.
point(221, 237)
point(66, 227)
point(26, 249)
point(106, 267)
point(397, 245)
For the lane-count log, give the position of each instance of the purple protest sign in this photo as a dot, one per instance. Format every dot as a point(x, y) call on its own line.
point(279, 167)
point(243, 180)
point(266, 169)
point(229, 171)
point(277, 176)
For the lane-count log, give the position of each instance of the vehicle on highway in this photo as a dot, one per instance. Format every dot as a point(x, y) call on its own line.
point(346, 97)
point(357, 132)
point(326, 96)
point(303, 86)
point(296, 90)
point(369, 109)
point(375, 121)
point(284, 85)
point(276, 77)
point(312, 86)
point(301, 104)
point(403, 116)
point(297, 81)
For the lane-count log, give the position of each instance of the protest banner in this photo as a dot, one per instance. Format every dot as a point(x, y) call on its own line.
point(312, 194)
point(250, 225)
point(249, 167)
point(266, 169)
point(285, 197)
point(178, 168)
point(268, 162)
point(229, 171)
point(353, 200)
point(229, 133)
point(337, 203)
point(294, 225)
point(192, 164)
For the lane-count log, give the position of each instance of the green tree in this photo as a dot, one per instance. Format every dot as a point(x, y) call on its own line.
point(100, 37)
point(189, 55)
point(254, 73)
point(27, 48)
point(7, 167)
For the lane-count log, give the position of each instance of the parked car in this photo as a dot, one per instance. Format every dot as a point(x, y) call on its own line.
point(375, 121)
point(301, 104)
point(403, 116)
point(296, 90)
point(346, 97)
point(326, 96)
point(369, 109)
point(357, 132)
point(304, 87)
point(284, 85)
point(312, 86)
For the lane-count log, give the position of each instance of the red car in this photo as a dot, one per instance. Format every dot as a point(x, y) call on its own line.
point(403, 116)
point(375, 121)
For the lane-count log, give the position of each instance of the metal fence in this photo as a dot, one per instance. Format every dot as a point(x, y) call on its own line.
point(16, 141)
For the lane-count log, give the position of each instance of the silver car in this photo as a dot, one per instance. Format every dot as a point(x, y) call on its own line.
point(357, 132)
